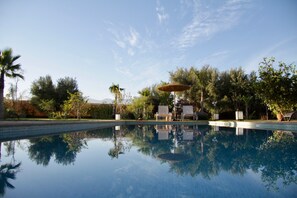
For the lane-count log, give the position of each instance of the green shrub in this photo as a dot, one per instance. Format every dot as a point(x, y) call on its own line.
point(100, 111)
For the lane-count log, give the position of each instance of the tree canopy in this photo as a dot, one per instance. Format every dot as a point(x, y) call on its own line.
point(44, 90)
point(277, 87)
point(215, 91)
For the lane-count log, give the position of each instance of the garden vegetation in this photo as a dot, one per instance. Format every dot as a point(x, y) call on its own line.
point(266, 93)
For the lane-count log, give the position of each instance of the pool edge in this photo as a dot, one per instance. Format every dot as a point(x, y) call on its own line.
point(25, 129)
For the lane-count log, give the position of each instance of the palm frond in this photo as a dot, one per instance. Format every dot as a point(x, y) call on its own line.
point(9, 185)
point(15, 58)
point(14, 75)
point(15, 67)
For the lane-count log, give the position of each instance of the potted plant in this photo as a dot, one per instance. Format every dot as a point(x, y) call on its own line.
point(279, 110)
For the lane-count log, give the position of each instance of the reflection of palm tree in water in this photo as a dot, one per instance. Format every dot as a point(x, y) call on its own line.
point(7, 171)
point(10, 148)
point(119, 145)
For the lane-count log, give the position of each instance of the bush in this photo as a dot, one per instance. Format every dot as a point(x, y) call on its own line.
point(21, 109)
point(203, 116)
point(100, 111)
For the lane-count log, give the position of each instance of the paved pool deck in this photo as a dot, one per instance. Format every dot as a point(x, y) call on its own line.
point(33, 128)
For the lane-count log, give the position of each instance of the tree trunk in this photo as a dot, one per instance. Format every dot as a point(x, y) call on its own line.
point(201, 101)
point(246, 111)
point(2, 96)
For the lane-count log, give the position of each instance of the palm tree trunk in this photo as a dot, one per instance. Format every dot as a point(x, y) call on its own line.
point(2, 96)
point(202, 101)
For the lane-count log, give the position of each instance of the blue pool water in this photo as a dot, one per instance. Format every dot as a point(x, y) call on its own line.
point(152, 161)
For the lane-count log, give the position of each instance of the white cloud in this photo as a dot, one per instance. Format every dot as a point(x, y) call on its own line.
point(133, 37)
point(124, 71)
point(205, 23)
point(121, 44)
point(131, 52)
point(117, 38)
point(128, 40)
point(161, 14)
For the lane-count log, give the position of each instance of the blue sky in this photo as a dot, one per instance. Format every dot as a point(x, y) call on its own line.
point(135, 43)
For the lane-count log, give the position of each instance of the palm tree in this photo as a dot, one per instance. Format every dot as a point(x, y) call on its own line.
point(7, 69)
point(116, 90)
point(203, 78)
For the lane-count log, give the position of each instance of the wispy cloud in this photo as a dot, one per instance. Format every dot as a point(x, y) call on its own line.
point(116, 36)
point(121, 44)
point(161, 14)
point(133, 37)
point(214, 58)
point(125, 71)
point(131, 52)
point(117, 58)
point(142, 73)
point(125, 39)
point(205, 22)
point(277, 50)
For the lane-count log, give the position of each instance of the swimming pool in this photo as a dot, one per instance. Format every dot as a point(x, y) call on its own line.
point(152, 161)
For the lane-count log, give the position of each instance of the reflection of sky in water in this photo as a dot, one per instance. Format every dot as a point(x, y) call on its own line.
point(96, 174)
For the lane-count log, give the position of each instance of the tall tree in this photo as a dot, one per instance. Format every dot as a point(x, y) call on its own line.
point(43, 89)
point(238, 82)
point(65, 87)
point(116, 91)
point(9, 69)
point(213, 102)
point(277, 87)
point(204, 77)
point(249, 97)
point(199, 80)
point(158, 97)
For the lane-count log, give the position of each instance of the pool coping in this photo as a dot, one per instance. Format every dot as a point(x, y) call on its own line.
point(24, 129)
point(264, 125)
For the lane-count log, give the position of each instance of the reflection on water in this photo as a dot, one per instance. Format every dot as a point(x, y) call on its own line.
point(120, 144)
point(207, 151)
point(9, 170)
point(7, 173)
point(61, 147)
point(188, 150)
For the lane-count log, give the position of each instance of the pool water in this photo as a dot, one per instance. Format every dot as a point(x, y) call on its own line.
point(152, 161)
